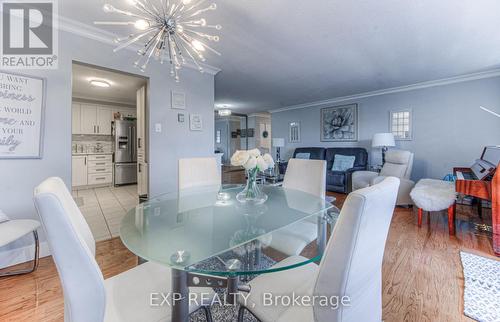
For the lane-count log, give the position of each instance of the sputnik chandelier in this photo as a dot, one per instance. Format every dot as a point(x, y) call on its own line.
point(168, 31)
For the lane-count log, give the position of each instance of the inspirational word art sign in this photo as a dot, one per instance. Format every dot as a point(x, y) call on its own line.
point(21, 112)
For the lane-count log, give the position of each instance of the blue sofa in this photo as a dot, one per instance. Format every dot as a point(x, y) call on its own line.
point(338, 181)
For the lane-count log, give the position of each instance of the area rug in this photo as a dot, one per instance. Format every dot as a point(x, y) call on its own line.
point(227, 313)
point(482, 287)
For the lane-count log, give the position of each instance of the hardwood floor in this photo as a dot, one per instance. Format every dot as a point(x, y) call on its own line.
point(422, 273)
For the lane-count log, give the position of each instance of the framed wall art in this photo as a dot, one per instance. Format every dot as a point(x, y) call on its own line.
point(195, 122)
point(22, 104)
point(178, 100)
point(339, 123)
point(294, 132)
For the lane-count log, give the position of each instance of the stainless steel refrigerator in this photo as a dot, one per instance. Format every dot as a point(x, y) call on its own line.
point(125, 151)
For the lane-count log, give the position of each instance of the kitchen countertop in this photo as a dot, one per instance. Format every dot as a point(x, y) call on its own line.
point(91, 153)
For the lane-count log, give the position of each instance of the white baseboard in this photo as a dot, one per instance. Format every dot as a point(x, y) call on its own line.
point(24, 254)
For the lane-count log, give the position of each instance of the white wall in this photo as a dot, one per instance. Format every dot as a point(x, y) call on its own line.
point(449, 129)
point(19, 177)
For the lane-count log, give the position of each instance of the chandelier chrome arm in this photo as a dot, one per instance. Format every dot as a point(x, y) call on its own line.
point(169, 30)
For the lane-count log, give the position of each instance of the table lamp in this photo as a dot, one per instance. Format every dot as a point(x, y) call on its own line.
point(383, 140)
point(278, 143)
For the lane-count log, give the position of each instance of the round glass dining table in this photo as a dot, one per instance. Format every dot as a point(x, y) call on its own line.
point(206, 232)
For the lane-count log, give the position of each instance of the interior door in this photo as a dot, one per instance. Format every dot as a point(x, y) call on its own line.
point(142, 179)
point(142, 165)
point(88, 119)
point(141, 122)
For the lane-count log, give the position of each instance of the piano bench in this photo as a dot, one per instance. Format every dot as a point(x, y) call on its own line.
point(435, 195)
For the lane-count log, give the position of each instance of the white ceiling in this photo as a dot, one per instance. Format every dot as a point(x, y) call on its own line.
point(122, 90)
point(285, 52)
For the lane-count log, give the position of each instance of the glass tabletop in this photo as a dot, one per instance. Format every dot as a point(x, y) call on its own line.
point(209, 231)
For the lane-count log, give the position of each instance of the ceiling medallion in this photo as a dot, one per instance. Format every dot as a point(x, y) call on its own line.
point(168, 31)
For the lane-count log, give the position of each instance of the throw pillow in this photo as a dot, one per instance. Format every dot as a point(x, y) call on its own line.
point(303, 155)
point(343, 162)
point(393, 170)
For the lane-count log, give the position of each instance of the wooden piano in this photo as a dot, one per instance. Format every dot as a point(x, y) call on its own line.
point(482, 180)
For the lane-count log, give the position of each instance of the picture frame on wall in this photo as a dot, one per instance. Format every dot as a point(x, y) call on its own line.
point(339, 123)
point(21, 116)
point(195, 122)
point(180, 118)
point(178, 100)
point(294, 132)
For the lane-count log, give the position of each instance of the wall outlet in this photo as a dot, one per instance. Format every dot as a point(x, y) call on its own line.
point(158, 127)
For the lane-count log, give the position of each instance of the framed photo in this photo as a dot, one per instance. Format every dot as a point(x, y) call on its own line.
point(294, 132)
point(178, 100)
point(339, 123)
point(195, 122)
point(22, 106)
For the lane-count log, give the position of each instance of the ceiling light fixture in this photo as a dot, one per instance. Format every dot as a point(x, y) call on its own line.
point(224, 112)
point(169, 32)
point(99, 83)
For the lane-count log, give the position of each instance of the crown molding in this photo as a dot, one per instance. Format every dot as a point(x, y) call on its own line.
point(106, 37)
point(392, 90)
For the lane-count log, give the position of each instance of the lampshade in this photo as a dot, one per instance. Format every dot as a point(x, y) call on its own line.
point(383, 139)
point(278, 142)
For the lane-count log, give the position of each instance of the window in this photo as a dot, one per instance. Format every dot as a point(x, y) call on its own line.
point(400, 124)
point(217, 136)
point(294, 136)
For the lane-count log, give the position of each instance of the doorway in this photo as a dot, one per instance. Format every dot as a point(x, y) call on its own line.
point(109, 145)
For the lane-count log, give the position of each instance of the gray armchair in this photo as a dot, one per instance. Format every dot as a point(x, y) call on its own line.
point(398, 163)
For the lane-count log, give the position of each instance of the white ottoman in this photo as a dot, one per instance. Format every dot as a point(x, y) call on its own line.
point(435, 195)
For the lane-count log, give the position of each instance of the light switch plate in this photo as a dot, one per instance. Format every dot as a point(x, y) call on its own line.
point(158, 127)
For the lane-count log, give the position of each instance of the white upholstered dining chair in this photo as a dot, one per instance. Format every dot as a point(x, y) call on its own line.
point(198, 172)
point(351, 266)
point(398, 163)
point(87, 296)
point(307, 176)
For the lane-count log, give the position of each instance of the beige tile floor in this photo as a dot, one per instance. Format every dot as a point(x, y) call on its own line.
point(104, 208)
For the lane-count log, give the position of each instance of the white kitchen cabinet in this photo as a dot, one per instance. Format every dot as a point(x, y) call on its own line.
point(76, 117)
point(88, 119)
point(89, 170)
point(104, 118)
point(92, 119)
point(100, 178)
point(79, 171)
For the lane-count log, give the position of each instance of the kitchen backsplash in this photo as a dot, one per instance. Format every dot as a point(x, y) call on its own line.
point(92, 144)
point(89, 138)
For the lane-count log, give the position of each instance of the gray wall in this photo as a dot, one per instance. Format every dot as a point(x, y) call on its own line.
point(19, 177)
point(449, 129)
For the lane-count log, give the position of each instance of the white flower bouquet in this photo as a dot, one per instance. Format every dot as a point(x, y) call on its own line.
point(252, 159)
point(253, 162)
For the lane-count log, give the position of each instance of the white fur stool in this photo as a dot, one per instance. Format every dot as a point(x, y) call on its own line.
point(435, 195)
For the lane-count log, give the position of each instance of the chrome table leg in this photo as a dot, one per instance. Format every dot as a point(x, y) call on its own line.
point(180, 296)
point(322, 234)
